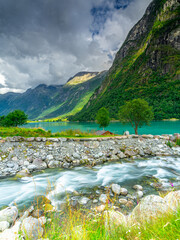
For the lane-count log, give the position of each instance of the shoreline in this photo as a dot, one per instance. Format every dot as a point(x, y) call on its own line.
point(21, 156)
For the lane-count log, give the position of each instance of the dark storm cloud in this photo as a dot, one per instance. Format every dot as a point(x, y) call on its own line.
point(47, 41)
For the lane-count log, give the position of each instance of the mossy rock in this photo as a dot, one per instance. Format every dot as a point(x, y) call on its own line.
point(40, 201)
point(48, 207)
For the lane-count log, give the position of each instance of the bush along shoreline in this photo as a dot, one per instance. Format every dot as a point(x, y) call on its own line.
point(23, 156)
point(153, 217)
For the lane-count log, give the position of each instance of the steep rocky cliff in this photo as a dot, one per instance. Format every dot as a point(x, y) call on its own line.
point(146, 66)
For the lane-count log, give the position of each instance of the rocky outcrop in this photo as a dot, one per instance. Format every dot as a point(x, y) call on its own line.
point(9, 214)
point(32, 228)
point(23, 156)
point(146, 66)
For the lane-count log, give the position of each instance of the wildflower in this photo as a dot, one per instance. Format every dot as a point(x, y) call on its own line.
point(171, 184)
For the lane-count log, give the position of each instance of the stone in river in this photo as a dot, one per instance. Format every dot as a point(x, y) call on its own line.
point(139, 194)
point(32, 228)
point(4, 225)
point(138, 187)
point(123, 191)
point(103, 198)
point(116, 188)
point(84, 200)
point(9, 214)
point(122, 201)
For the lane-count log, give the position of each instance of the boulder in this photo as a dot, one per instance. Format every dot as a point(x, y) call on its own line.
point(23, 173)
point(83, 200)
point(76, 155)
point(149, 208)
point(139, 194)
point(138, 187)
point(114, 218)
point(53, 164)
point(123, 191)
point(9, 214)
point(32, 228)
point(100, 208)
point(122, 201)
point(130, 152)
point(173, 199)
point(40, 165)
point(116, 189)
point(103, 198)
point(11, 233)
point(121, 155)
point(4, 225)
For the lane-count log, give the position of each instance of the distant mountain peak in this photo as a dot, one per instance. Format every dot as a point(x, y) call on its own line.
point(81, 77)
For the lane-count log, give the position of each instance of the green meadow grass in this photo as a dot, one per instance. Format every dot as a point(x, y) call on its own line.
point(79, 225)
point(39, 132)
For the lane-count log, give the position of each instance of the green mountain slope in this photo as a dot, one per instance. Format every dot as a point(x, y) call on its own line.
point(146, 66)
point(58, 101)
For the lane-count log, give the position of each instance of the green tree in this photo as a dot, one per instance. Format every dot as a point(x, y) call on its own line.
point(102, 117)
point(14, 119)
point(136, 112)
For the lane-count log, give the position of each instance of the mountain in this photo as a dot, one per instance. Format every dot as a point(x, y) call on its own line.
point(54, 101)
point(146, 66)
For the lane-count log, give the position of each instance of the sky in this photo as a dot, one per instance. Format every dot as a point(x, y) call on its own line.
point(49, 41)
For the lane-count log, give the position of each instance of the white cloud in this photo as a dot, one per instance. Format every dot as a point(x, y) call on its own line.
point(48, 42)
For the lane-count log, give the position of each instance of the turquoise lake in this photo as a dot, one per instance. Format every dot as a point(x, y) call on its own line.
point(156, 128)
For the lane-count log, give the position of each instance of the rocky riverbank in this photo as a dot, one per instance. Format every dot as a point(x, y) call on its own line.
point(22, 156)
point(31, 223)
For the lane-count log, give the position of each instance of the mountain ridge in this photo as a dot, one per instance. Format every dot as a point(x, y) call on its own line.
point(52, 101)
point(146, 66)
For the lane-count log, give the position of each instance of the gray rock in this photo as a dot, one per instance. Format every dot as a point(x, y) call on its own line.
point(123, 201)
point(30, 139)
point(126, 133)
point(53, 164)
point(9, 214)
point(113, 219)
point(138, 187)
point(23, 173)
point(40, 165)
point(121, 155)
point(139, 194)
point(130, 152)
point(83, 200)
point(173, 199)
point(49, 157)
point(76, 155)
point(32, 167)
point(11, 233)
point(32, 228)
point(4, 225)
point(116, 189)
point(149, 207)
point(123, 191)
point(103, 198)
point(114, 158)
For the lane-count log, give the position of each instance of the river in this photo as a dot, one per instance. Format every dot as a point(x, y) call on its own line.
point(156, 128)
point(87, 181)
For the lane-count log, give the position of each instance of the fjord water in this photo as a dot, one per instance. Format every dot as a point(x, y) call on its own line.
point(55, 183)
point(156, 128)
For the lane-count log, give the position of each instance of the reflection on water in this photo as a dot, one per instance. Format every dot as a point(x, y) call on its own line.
point(157, 127)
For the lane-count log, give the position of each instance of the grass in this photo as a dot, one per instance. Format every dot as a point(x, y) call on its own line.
point(39, 132)
point(85, 225)
point(178, 141)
